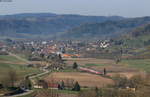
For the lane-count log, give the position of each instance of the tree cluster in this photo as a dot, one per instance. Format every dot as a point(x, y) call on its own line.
point(73, 86)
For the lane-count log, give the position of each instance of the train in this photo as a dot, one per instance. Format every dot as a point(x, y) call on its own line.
point(90, 71)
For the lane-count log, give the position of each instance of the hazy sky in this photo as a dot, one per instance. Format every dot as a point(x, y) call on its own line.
point(128, 8)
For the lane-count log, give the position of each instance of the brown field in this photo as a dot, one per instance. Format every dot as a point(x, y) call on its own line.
point(46, 93)
point(126, 74)
point(67, 95)
point(118, 69)
point(83, 61)
point(114, 68)
point(84, 79)
point(111, 67)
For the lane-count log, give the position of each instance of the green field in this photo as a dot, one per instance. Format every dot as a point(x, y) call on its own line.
point(143, 64)
point(8, 58)
point(89, 65)
point(20, 69)
point(8, 63)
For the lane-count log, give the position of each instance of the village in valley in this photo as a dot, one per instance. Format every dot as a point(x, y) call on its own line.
point(74, 48)
point(65, 66)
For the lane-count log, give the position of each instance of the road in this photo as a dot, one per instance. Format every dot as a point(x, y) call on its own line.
point(31, 77)
point(22, 94)
point(33, 81)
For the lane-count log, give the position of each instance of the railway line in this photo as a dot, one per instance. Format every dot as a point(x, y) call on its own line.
point(90, 71)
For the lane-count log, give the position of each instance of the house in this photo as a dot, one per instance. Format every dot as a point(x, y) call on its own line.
point(37, 87)
point(42, 84)
point(1, 44)
point(104, 44)
point(131, 89)
point(71, 55)
point(53, 85)
point(66, 55)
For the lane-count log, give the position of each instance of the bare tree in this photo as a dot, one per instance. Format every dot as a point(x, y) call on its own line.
point(105, 72)
point(75, 65)
point(69, 83)
point(9, 79)
point(12, 77)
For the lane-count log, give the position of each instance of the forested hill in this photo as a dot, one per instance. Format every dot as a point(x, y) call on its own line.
point(45, 25)
point(49, 24)
point(106, 29)
point(137, 38)
point(141, 31)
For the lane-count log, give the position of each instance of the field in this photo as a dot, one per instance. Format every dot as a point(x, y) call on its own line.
point(19, 69)
point(8, 63)
point(142, 64)
point(10, 59)
point(124, 68)
point(62, 93)
point(83, 61)
point(84, 79)
point(89, 65)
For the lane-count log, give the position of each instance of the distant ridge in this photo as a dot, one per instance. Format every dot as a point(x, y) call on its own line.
point(29, 25)
point(106, 29)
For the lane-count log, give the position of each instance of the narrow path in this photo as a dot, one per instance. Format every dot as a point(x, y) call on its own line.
point(38, 75)
point(31, 77)
point(33, 81)
point(18, 57)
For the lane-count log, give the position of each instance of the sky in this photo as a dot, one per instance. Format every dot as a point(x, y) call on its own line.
point(126, 8)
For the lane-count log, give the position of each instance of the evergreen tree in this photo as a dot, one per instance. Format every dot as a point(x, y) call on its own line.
point(62, 85)
point(76, 87)
point(97, 92)
point(59, 56)
point(75, 65)
point(42, 55)
point(105, 72)
point(59, 87)
point(1, 86)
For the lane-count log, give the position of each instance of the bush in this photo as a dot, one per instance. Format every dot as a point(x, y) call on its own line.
point(120, 82)
point(136, 82)
point(1, 86)
point(75, 65)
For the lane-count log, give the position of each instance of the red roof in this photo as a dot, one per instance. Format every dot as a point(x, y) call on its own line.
point(53, 85)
